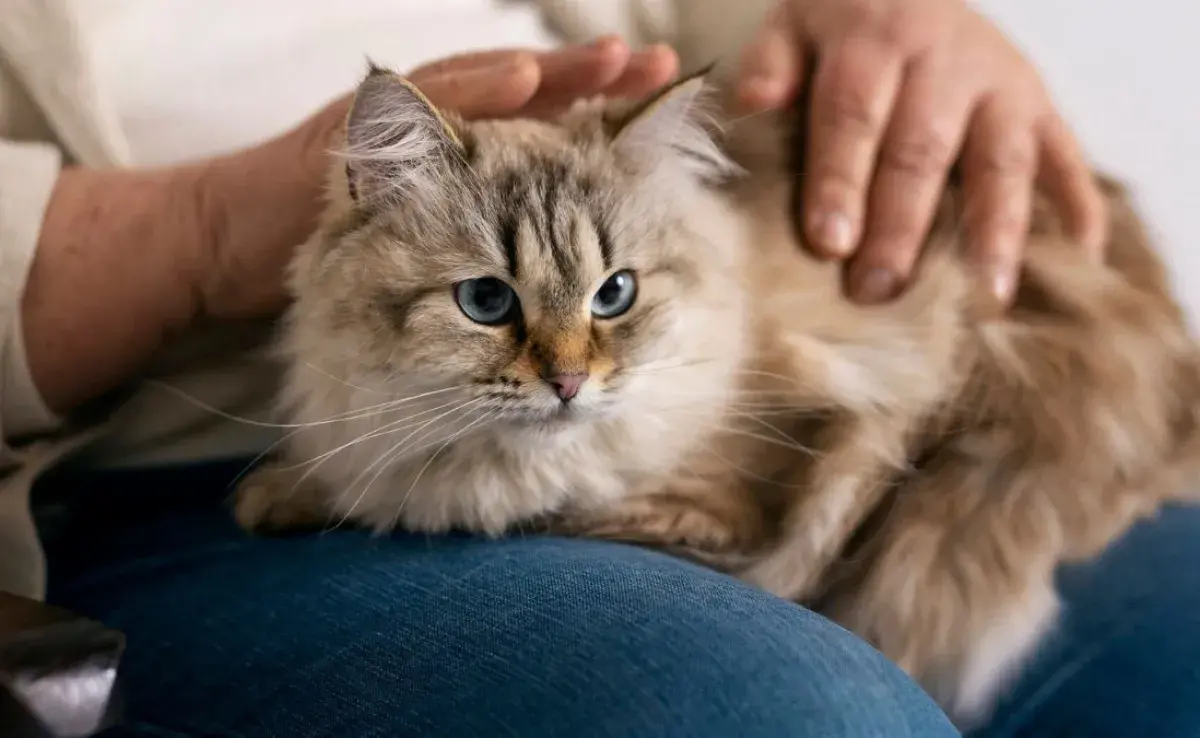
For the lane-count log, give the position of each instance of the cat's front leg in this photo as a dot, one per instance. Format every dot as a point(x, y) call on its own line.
point(278, 498)
point(691, 519)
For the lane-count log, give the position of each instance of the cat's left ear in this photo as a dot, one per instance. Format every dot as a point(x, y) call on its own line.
point(673, 127)
point(396, 140)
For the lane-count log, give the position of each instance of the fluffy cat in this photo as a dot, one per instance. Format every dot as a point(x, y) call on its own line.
point(605, 325)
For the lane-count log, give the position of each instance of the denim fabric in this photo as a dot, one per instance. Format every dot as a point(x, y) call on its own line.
point(1125, 661)
point(344, 635)
point(341, 635)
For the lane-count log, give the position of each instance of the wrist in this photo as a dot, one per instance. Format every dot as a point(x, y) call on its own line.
point(258, 205)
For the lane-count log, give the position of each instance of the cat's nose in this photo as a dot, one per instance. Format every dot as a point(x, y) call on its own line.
point(567, 385)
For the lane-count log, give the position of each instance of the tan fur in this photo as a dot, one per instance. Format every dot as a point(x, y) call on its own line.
point(916, 471)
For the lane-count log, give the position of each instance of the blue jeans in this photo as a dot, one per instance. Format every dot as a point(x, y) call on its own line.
point(343, 635)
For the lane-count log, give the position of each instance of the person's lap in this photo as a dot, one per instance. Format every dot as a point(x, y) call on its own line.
point(1125, 660)
point(344, 635)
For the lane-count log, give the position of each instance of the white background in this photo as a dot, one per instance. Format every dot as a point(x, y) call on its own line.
point(1127, 75)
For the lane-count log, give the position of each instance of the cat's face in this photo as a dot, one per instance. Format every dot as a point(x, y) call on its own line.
point(549, 274)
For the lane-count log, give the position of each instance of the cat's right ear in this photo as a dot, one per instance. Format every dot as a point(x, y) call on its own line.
point(396, 140)
point(672, 127)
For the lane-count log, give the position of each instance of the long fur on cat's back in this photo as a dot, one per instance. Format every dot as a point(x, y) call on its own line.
point(916, 471)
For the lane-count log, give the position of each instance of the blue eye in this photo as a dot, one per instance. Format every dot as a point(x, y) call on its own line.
point(486, 300)
point(615, 296)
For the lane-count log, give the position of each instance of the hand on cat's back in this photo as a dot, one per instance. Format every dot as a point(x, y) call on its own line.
point(901, 91)
point(262, 202)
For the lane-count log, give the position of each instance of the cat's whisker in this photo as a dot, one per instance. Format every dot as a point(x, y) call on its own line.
point(734, 120)
point(340, 380)
point(744, 472)
point(748, 372)
point(383, 430)
point(398, 426)
point(785, 442)
point(398, 449)
point(650, 367)
point(780, 399)
point(781, 406)
point(488, 415)
point(339, 418)
point(360, 414)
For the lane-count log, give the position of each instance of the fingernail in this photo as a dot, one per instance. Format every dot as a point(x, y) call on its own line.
point(833, 231)
point(1002, 284)
point(876, 285)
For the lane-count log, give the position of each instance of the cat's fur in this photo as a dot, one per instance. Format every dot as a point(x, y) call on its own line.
point(916, 470)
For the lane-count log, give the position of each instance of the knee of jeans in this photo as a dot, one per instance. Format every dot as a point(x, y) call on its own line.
point(657, 642)
point(537, 637)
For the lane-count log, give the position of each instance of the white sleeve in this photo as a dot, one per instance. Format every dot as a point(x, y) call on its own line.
point(28, 172)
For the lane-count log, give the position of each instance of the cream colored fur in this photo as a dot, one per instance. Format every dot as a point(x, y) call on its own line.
point(915, 471)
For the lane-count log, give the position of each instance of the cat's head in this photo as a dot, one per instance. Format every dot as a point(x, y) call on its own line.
point(550, 272)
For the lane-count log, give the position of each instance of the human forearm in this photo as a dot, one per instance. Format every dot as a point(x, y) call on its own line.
point(112, 276)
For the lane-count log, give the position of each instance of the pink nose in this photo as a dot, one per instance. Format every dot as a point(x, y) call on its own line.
point(567, 385)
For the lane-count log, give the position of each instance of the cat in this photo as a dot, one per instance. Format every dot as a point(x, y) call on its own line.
point(606, 325)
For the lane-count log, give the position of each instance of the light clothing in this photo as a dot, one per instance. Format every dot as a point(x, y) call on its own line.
point(129, 83)
point(118, 83)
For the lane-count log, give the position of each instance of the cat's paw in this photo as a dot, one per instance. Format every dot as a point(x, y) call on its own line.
point(663, 521)
point(782, 575)
point(276, 499)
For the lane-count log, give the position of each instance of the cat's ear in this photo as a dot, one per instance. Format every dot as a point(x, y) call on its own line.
point(673, 127)
point(396, 140)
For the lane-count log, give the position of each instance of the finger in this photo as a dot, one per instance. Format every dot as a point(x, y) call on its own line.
point(999, 169)
point(854, 89)
point(488, 91)
point(565, 74)
point(1069, 180)
point(579, 72)
point(772, 65)
point(468, 61)
point(647, 70)
point(914, 158)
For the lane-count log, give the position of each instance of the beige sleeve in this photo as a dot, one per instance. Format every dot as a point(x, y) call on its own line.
point(28, 172)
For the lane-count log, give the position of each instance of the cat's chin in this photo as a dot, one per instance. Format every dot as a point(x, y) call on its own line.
point(554, 418)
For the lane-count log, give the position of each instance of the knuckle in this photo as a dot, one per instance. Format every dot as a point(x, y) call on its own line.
point(849, 112)
point(892, 32)
point(921, 155)
point(834, 185)
point(1010, 158)
point(1005, 227)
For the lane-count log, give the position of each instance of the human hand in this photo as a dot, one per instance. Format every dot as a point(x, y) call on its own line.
point(265, 201)
point(901, 89)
